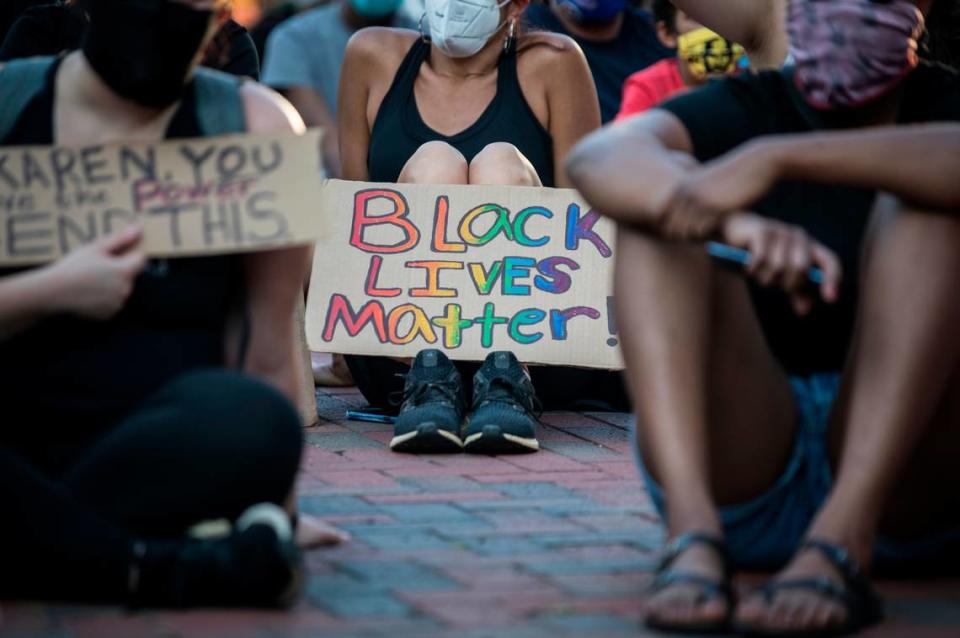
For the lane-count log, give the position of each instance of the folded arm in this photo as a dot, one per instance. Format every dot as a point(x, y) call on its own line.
point(630, 170)
point(916, 163)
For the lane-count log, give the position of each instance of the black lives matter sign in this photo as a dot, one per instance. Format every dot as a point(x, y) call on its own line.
point(235, 193)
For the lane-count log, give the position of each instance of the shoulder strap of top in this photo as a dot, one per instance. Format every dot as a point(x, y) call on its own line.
point(219, 102)
point(410, 67)
point(507, 66)
point(20, 82)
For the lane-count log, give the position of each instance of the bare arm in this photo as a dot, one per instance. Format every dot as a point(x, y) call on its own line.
point(26, 298)
point(630, 170)
point(315, 113)
point(93, 281)
point(354, 131)
point(759, 25)
point(274, 278)
point(572, 102)
point(916, 163)
point(638, 172)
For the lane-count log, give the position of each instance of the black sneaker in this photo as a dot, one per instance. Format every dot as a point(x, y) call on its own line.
point(504, 409)
point(256, 565)
point(433, 407)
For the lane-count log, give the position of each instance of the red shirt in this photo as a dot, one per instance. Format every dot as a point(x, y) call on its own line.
point(647, 88)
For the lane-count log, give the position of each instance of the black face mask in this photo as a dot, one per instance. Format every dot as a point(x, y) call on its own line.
point(143, 49)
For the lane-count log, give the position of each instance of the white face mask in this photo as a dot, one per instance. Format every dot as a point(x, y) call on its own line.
point(460, 28)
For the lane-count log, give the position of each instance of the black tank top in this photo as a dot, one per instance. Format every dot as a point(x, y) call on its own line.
point(399, 130)
point(91, 373)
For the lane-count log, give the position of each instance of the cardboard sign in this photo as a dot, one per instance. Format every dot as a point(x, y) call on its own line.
point(230, 194)
point(466, 269)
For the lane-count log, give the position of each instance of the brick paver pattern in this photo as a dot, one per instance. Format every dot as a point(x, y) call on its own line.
point(558, 543)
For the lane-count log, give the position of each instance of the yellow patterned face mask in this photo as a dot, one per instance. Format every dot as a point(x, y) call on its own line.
point(707, 53)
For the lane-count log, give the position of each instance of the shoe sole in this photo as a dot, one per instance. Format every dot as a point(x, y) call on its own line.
point(270, 515)
point(427, 440)
point(492, 441)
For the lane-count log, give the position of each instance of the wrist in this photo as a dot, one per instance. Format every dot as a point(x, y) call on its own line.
point(49, 290)
point(773, 154)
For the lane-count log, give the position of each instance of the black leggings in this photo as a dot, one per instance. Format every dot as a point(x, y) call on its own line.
point(206, 446)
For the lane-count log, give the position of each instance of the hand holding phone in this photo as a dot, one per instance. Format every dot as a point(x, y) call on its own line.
point(741, 257)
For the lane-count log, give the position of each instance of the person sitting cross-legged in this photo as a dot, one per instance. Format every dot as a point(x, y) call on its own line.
point(149, 445)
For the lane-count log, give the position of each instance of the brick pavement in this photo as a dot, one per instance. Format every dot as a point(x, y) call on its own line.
point(559, 543)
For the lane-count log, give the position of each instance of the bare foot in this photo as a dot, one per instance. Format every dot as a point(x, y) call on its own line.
point(686, 604)
point(330, 370)
point(797, 609)
point(313, 533)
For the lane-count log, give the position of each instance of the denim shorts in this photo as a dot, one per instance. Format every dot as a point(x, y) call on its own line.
point(763, 534)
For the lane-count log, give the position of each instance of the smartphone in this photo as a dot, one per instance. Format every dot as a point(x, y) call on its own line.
point(370, 417)
point(741, 258)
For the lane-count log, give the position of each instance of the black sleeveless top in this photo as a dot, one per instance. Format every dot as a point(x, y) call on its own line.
point(91, 373)
point(399, 130)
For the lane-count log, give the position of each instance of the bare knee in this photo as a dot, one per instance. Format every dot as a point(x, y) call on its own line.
point(501, 163)
point(435, 163)
point(649, 253)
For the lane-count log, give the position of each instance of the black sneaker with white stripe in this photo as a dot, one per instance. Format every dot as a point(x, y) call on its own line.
point(505, 405)
point(433, 407)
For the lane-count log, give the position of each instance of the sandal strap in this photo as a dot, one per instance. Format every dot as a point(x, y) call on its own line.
point(862, 599)
point(863, 605)
point(822, 585)
point(710, 587)
point(839, 557)
point(685, 541)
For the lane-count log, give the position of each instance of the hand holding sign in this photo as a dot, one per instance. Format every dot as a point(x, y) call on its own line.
point(95, 281)
point(231, 194)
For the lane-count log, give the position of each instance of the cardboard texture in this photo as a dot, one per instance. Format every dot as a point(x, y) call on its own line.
point(397, 268)
point(229, 194)
point(466, 269)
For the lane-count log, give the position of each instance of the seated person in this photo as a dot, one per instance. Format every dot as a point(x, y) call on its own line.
point(304, 56)
point(701, 54)
point(52, 28)
point(616, 38)
point(619, 40)
point(132, 411)
point(273, 14)
point(476, 102)
point(748, 464)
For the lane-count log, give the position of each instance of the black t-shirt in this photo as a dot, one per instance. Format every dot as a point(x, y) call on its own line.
point(611, 63)
point(726, 113)
point(91, 373)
